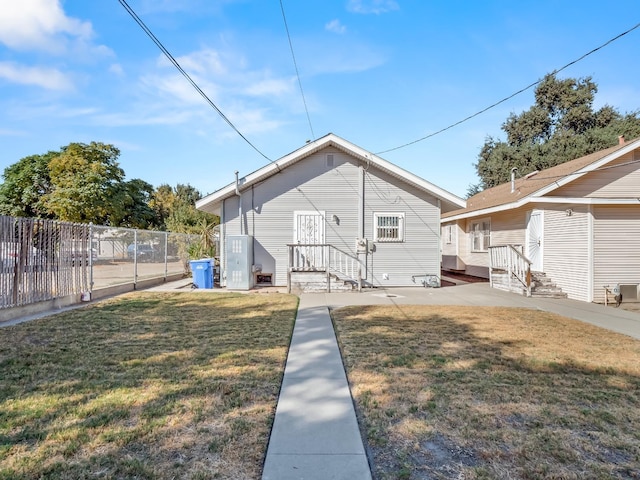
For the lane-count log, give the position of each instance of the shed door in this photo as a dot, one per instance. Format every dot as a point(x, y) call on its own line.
point(534, 240)
point(308, 228)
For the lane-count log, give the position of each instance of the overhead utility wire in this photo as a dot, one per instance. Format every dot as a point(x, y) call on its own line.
point(304, 101)
point(512, 95)
point(186, 75)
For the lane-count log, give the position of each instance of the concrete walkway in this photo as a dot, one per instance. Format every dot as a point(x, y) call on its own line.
point(315, 432)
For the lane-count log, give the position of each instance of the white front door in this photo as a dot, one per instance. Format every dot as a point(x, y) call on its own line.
point(534, 240)
point(308, 229)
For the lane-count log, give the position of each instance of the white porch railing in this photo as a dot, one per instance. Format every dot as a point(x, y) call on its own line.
point(509, 259)
point(323, 257)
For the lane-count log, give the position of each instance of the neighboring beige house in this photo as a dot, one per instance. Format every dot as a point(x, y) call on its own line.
point(578, 222)
point(329, 211)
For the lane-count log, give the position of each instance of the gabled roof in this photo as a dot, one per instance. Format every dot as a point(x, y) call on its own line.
point(531, 187)
point(212, 202)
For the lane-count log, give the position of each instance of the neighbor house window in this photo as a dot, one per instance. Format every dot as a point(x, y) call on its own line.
point(480, 236)
point(448, 234)
point(388, 227)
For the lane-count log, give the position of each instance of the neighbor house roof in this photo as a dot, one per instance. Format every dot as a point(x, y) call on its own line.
point(212, 203)
point(532, 186)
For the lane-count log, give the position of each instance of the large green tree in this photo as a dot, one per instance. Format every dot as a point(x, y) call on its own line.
point(26, 183)
point(79, 183)
point(562, 125)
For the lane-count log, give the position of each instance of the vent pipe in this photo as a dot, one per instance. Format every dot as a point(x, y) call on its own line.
point(620, 139)
point(237, 184)
point(513, 179)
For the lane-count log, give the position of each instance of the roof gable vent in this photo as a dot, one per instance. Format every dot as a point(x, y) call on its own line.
point(329, 160)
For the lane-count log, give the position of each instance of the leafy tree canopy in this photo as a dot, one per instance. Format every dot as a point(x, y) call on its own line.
point(561, 126)
point(79, 183)
point(176, 209)
point(25, 184)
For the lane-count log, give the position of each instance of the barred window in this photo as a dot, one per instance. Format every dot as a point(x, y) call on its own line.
point(388, 227)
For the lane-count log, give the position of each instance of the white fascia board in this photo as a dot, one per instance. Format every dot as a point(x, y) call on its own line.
point(348, 147)
point(589, 168)
point(487, 211)
point(551, 200)
point(588, 200)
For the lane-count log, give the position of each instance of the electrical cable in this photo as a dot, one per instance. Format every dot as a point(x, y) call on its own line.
point(187, 76)
point(304, 101)
point(510, 96)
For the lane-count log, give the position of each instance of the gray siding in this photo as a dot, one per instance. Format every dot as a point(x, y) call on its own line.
point(394, 264)
point(312, 185)
point(566, 249)
point(616, 247)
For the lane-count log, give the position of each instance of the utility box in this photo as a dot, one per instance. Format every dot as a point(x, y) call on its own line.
point(203, 271)
point(239, 262)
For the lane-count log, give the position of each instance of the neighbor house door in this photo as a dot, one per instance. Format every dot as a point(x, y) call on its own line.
point(308, 229)
point(534, 240)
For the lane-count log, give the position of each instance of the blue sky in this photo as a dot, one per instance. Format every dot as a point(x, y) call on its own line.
point(379, 73)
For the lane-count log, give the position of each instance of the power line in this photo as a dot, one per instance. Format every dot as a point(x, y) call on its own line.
point(186, 75)
point(510, 96)
point(304, 101)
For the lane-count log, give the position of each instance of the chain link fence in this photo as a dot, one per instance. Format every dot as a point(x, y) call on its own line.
point(45, 259)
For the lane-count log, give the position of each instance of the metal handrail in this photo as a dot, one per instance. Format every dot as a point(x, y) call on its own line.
point(324, 257)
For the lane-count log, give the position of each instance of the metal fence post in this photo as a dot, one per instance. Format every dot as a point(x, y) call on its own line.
point(135, 258)
point(90, 253)
point(166, 256)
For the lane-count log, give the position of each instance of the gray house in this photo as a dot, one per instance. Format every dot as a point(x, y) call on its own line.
point(329, 211)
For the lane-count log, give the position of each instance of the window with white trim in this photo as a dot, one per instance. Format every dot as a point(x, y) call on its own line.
point(448, 234)
point(480, 233)
point(388, 227)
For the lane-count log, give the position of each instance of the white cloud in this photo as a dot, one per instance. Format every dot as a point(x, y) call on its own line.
point(268, 87)
point(4, 132)
point(48, 78)
point(335, 26)
point(372, 6)
point(40, 25)
point(116, 69)
point(203, 61)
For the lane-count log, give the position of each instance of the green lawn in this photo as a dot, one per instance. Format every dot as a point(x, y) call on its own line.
point(145, 386)
point(492, 393)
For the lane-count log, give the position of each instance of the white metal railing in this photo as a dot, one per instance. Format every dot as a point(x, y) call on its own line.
point(323, 257)
point(509, 258)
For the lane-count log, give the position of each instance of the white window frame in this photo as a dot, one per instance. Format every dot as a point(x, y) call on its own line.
point(480, 231)
point(448, 234)
point(385, 237)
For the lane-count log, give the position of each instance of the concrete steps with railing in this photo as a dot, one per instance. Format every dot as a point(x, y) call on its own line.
point(310, 281)
point(543, 287)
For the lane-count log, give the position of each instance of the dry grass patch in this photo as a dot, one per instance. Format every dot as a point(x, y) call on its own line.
point(479, 393)
point(145, 386)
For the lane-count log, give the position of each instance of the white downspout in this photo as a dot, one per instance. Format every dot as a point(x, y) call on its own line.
point(239, 202)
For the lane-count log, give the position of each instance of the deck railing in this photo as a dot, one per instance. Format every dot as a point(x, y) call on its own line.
point(326, 258)
point(509, 259)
